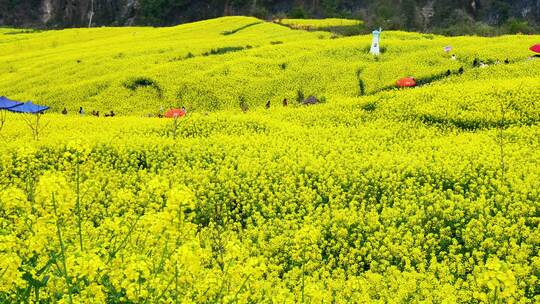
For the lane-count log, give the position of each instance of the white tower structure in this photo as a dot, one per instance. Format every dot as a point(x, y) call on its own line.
point(375, 48)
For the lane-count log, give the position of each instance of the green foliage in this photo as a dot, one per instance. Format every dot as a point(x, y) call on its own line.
point(408, 9)
point(460, 16)
point(519, 27)
point(298, 12)
point(300, 96)
point(157, 11)
point(142, 82)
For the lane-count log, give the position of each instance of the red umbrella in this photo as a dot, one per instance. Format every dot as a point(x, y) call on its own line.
point(173, 113)
point(406, 82)
point(535, 48)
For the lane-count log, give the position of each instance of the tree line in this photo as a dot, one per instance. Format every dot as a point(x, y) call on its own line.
point(440, 16)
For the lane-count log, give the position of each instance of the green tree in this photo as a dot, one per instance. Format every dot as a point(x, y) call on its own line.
point(408, 7)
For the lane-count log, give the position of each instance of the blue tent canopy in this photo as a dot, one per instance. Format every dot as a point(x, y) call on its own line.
point(28, 107)
point(6, 103)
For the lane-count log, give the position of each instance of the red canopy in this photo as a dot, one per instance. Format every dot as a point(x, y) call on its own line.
point(173, 113)
point(535, 48)
point(406, 82)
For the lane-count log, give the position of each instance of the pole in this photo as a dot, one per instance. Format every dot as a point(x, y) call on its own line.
point(91, 13)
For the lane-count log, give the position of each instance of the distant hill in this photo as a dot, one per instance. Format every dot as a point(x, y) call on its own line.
point(485, 17)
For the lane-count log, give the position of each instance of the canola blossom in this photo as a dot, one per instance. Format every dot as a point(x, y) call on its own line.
point(376, 195)
point(320, 24)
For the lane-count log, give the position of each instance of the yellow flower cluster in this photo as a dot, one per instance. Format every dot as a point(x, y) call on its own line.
point(319, 24)
point(287, 207)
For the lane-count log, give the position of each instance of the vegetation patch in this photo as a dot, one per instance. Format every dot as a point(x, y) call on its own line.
point(231, 32)
point(25, 31)
point(225, 50)
point(142, 82)
point(339, 27)
point(369, 107)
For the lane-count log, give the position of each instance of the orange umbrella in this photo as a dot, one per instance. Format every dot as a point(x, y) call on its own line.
point(406, 82)
point(174, 113)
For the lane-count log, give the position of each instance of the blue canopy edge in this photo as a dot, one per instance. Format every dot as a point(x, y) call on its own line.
point(28, 107)
point(6, 103)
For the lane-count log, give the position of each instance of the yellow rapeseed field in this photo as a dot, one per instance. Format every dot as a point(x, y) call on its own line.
point(314, 24)
point(376, 195)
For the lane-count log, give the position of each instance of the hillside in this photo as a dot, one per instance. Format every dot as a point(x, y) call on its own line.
point(213, 64)
point(377, 195)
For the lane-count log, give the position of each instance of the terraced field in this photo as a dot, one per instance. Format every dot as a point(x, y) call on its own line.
point(383, 195)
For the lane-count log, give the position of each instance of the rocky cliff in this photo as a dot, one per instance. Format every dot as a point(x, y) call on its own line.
point(67, 13)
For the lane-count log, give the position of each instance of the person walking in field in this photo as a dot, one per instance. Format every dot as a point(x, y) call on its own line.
point(81, 111)
point(64, 111)
point(285, 102)
point(268, 104)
